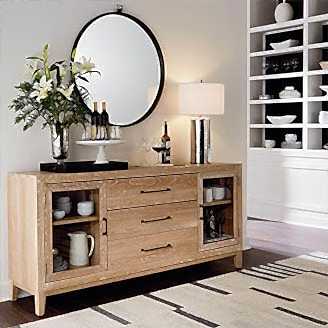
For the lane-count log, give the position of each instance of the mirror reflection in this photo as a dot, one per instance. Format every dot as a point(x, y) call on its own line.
point(131, 64)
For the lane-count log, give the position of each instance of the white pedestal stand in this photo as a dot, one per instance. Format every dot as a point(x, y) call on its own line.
point(101, 144)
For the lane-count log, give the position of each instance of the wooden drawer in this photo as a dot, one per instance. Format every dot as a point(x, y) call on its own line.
point(152, 251)
point(148, 220)
point(137, 192)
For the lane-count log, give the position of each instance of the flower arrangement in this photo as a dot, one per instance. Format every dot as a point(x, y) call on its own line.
point(51, 94)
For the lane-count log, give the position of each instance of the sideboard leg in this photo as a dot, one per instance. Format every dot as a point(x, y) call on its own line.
point(40, 304)
point(14, 292)
point(238, 260)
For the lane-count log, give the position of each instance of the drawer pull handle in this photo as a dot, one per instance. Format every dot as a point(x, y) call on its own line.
point(156, 220)
point(154, 191)
point(156, 248)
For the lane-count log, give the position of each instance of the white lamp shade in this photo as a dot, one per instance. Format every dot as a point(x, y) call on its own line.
point(201, 99)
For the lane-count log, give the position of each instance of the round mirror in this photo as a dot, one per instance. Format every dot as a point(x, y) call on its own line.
point(131, 63)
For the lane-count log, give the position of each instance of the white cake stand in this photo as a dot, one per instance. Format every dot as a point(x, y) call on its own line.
point(101, 144)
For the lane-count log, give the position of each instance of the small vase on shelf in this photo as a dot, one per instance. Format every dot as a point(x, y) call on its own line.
point(284, 12)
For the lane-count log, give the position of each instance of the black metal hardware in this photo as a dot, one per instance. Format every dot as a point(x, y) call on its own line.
point(156, 248)
point(157, 220)
point(154, 191)
point(106, 222)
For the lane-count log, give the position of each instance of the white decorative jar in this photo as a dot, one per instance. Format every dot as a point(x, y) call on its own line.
point(284, 12)
point(289, 92)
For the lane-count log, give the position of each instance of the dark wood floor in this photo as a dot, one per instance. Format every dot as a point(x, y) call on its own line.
point(22, 311)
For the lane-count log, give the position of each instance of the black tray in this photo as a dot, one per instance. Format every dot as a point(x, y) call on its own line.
point(79, 167)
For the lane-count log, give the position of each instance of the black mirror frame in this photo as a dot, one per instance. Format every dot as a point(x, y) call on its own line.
point(158, 50)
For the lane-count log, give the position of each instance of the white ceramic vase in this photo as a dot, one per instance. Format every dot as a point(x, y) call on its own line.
point(284, 12)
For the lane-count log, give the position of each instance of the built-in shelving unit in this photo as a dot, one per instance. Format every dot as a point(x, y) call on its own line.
point(270, 71)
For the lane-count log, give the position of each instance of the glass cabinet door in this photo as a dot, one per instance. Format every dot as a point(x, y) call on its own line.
point(76, 230)
point(218, 211)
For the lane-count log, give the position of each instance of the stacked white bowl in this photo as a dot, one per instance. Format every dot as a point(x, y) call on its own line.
point(63, 204)
point(86, 208)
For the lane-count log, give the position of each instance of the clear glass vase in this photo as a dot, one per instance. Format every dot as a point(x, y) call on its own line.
point(59, 143)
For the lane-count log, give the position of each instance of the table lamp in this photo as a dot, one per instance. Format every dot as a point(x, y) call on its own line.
point(201, 100)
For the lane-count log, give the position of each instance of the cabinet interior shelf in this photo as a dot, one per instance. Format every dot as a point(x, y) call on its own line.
point(271, 53)
point(272, 126)
point(277, 26)
point(75, 220)
point(217, 202)
point(278, 101)
point(277, 76)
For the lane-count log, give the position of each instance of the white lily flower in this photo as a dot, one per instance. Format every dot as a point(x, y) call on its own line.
point(67, 92)
point(41, 89)
point(87, 65)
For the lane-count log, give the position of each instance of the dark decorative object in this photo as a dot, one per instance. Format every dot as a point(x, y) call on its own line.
point(77, 167)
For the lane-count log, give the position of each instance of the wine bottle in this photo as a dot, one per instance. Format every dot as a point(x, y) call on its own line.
point(94, 121)
point(104, 122)
point(97, 120)
point(166, 143)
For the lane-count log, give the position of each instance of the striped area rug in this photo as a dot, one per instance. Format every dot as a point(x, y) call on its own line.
point(287, 293)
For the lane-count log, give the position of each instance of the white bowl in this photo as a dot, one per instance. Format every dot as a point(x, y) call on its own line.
point(270, 144)
point(62, 200)
point(67, 208)
point(324, 65)
point(280, 120)
point(59, 215)
point(284, 44)
point(324, 88)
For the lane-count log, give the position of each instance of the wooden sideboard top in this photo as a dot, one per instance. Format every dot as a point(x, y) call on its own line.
point(133, 172)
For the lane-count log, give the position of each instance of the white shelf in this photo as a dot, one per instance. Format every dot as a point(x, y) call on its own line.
point(277, 101)
point(318, 18)
point(276, 76)
point(278, 52)
point(274, 126)
point(320, 45)
point(317, 72)
point(318, 99)
point(277, 26)
point(312, 102)
point(317, 126)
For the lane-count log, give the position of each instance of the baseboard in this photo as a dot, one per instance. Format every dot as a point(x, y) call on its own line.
point(4, 291)
point(277, 213)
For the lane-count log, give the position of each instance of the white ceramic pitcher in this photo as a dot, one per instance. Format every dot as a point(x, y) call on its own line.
point(79, 252)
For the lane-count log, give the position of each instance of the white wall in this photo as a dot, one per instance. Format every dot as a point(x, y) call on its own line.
point(201, 39)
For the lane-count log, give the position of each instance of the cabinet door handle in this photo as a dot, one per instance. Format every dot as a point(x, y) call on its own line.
point(156, 248)
point(156, 220)
point(154, 191)
point(106, 225)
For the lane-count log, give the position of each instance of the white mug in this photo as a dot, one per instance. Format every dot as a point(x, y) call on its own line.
point(323, 117)
point(208, 195)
